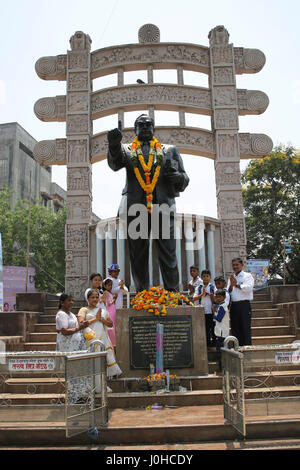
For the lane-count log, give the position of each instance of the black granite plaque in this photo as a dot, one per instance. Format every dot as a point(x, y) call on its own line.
point(178, 341)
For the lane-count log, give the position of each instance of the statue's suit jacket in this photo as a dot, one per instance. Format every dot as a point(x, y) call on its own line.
point(164, 193)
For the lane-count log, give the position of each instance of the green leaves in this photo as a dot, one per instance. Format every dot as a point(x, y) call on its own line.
point(271, 195)
point(46, 240)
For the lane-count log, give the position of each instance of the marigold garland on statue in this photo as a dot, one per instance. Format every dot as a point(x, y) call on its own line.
point(137, 156)
point(156, 299)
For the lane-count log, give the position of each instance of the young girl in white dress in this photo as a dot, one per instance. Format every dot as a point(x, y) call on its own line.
point(99, 322)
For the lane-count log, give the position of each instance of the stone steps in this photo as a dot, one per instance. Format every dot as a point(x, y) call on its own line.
point(139, 400)
point(264, 312)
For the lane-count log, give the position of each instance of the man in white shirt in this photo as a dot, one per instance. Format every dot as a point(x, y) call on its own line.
point(240, 287)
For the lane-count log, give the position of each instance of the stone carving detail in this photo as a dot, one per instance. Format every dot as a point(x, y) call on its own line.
point(233, 233)
point(255, 144)
point(223, 76)
point(77, 124)
point(224, 96)
point(50, 152)
point(222, 54)
point(149, 33)
point(193, 140)
point(228, 147)
point(226, 119)
point(51, 109)
point(80, 42)
point(261, 144)
point(78, 81)
point(52, 67)
point(162, 53)
point(79, 179)
point(79, 208)
point(76, 286)
point(230, 204)
point(76, 264)
point(78, 102)
point(254, 59)
point(252, 100)
point(77, 151)
point(228, 174)
point(78, 60)
point(77, 237)
point(175, 95)
point(218, 36)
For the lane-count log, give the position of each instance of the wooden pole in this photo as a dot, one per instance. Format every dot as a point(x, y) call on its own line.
point(28, 235)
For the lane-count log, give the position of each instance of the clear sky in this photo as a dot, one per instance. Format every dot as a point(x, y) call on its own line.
point(30, 29)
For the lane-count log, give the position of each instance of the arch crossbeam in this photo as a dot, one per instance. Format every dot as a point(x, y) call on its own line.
point(188, 140)
point(132, 57)
point(168, 97)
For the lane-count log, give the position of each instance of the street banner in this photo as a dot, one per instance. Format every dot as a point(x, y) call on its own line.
point(259, 268)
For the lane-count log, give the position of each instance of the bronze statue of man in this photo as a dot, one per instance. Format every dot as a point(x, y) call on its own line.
point(154, 177)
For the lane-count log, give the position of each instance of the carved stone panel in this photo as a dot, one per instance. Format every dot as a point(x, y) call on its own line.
point(228, 147)
point(78, 102)
point(78, 81)
point(226, 119)
point(227, 174)
point(77, 151)
point(76, 264)
point(233, 233)
point(223, 76)
point(79, 179)
point(230, 204)
point(168, 96)
point(108, 60)
point(77, 124)
point(224, 96)
point(76, 286)
point(77, 237)
point(78, 60)
point(79, 208)
point(222, 54)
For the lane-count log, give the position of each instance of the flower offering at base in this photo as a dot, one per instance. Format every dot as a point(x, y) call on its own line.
point(156, 300)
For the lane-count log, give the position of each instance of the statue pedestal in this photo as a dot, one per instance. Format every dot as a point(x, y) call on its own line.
point(185, 351)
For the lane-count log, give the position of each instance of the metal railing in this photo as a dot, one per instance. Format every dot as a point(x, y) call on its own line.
point(260, 381)
point(72, 390)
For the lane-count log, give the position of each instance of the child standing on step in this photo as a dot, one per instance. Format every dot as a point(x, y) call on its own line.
point(205, 294)
point(222, 322)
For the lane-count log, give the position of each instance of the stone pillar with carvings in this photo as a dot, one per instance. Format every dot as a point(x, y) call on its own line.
point(225, 127)
point(79, 171)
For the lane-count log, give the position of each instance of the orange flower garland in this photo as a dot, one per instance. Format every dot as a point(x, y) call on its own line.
point(156, 299)
point(137, 155)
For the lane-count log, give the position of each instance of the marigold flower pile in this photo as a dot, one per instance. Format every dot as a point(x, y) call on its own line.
point(161, 376)
point(156, 299)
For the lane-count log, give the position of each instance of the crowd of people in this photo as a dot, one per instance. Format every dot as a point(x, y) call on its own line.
point(226, 306)
point(226, 303)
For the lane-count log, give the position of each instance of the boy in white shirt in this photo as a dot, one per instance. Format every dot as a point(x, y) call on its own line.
point(194, 283)
point(118, 289)
point(221, 323)
point(205, 294)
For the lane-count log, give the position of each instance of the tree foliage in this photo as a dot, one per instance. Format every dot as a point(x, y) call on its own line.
point(271, 195)
point(46, 240)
